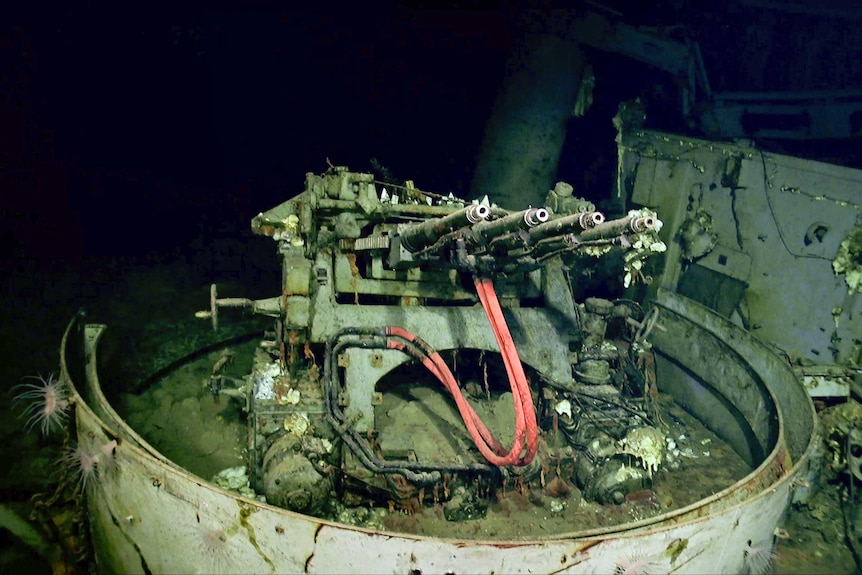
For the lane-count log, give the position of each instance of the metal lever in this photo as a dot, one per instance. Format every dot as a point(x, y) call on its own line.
point(216, 303)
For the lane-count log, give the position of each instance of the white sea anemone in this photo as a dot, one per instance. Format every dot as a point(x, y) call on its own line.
point(48, 403)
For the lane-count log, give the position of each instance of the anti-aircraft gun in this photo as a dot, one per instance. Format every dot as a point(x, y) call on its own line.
point(424, 343)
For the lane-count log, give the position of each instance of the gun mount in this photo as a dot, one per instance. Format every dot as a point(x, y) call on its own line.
point(376, 283)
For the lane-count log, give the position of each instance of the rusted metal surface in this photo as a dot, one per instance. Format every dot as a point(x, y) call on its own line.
point(150, 515)
point(797, 214)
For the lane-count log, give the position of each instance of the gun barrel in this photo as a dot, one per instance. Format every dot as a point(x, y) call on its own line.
point(566, 224)
point(553, 244)
point(485, 231)
point(422, 235)
point(619, 226)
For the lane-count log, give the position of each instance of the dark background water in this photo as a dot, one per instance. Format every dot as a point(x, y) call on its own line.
point(136, 131)
point(128, 131)
point(136, 143)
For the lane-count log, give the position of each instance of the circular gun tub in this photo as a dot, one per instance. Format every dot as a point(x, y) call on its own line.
point(149, 515)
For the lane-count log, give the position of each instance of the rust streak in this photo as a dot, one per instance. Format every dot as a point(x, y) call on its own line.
point(576, 560)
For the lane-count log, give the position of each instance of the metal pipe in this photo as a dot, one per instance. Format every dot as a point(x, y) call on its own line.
point(520, 153)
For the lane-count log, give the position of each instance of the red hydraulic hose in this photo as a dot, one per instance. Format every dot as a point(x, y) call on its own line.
point(490, 448)
point(526, 428)
point(514, 369)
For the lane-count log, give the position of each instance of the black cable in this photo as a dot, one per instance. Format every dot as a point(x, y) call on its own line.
point(775, 217)
point(418, 472)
